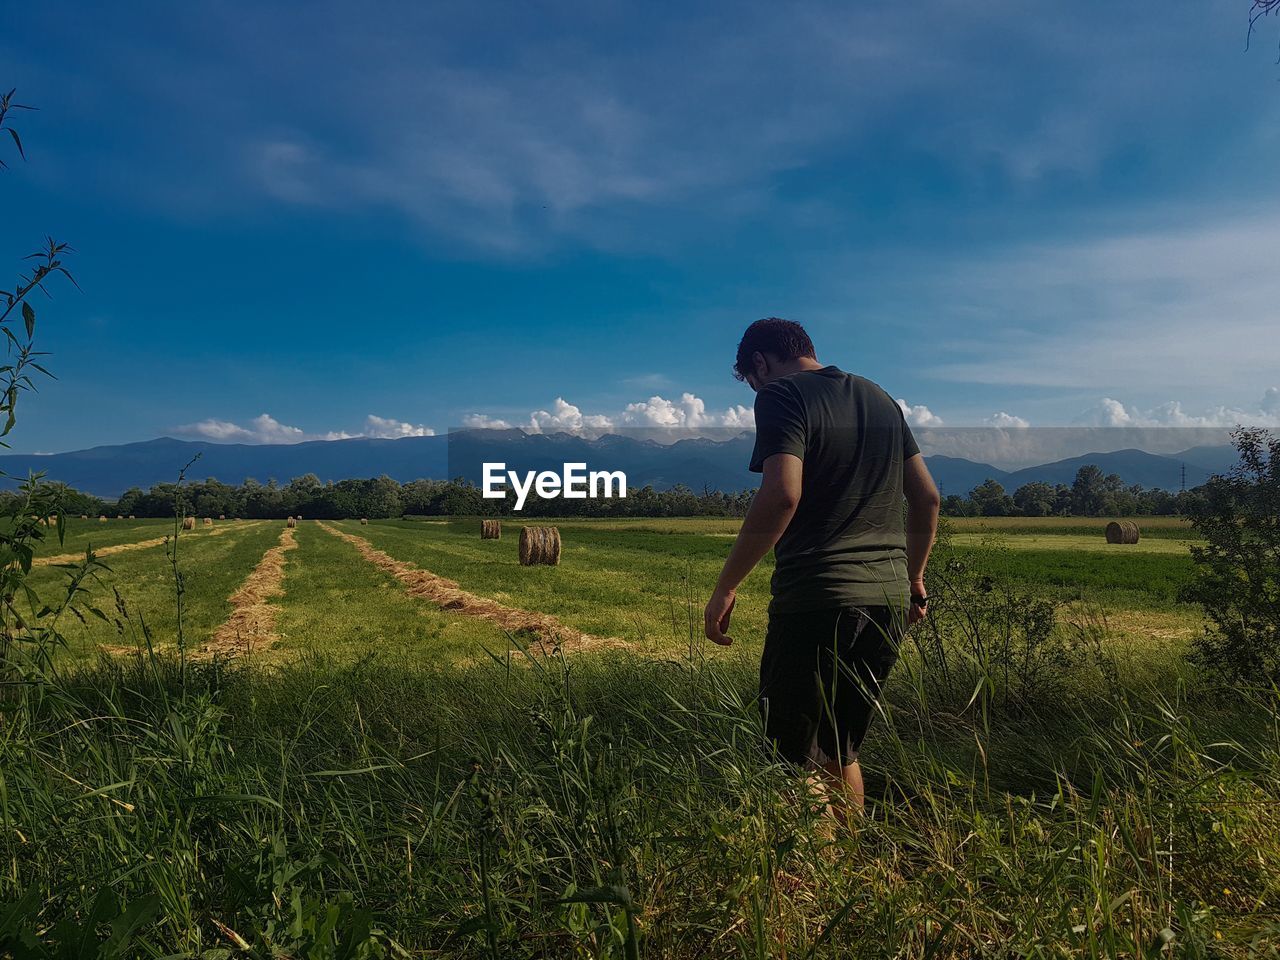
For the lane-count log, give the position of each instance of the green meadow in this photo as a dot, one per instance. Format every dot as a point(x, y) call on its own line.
point(380, 775)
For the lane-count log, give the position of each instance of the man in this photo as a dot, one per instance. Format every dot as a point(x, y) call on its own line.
point(838, 459)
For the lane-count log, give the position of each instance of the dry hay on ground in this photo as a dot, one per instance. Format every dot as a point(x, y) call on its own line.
point(1122, 531)
point(100, 552)
point(448, 595)
point(253, 619)
point(539, 545)
point(490, 529)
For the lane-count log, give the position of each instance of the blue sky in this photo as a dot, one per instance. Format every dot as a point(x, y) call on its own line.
point(329, 219)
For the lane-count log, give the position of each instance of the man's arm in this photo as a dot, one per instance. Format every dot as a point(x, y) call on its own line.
point(771, 510)
point(922, 524)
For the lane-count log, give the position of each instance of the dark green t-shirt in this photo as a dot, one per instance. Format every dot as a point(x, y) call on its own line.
point(846, 543)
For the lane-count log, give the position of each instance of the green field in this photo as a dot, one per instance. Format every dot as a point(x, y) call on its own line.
point(634, 580)
point(392, 774)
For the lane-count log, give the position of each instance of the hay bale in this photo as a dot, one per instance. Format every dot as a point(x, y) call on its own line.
point(299, 517)
point(102, 519)
point(490, 529)
point(539, 545)
point(84, 516)
point(132, 517)
point(364, 521)
point(291, 522)
point(119, 516)
point(1122, 531)
point(188, 523)
point(208, 521)
point(222, 516)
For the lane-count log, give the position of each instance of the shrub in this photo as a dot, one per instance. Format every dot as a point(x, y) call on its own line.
point(1237, 579)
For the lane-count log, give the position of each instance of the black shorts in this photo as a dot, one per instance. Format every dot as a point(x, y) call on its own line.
point(820, 675)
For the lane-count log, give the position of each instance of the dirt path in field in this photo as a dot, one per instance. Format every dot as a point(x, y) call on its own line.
point(447, 595)
point(253, 620)
point(120, 548)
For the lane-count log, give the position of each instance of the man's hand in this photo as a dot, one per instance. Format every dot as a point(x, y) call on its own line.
point(716, 616)
point(917, 613)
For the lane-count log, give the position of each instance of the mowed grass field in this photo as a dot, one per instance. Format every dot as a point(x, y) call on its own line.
point(638, 581)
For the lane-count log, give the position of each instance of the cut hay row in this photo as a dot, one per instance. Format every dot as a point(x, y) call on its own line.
point(253, 619)
point(448, 595)
point(100, 552)
point(117, 548)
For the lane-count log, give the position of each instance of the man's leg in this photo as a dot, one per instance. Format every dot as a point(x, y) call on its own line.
point(846, 795)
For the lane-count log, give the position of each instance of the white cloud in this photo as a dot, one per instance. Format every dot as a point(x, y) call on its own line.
point(387, 429)
point(919, 415)
point(1191, 304)
point(265, 428)
point(1108, 412)
point(564, 417)
point(480, 421)
point(1002, 420)
point(688, 412)
point(657, 417)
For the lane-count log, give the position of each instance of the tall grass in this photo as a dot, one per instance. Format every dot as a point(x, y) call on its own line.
point(616, 806)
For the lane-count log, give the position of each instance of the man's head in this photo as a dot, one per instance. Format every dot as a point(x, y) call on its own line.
point(773, 348)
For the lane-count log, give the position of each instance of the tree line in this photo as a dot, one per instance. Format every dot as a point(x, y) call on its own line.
point(1091, 494)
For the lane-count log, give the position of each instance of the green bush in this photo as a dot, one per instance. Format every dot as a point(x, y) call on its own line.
point(1237, 578)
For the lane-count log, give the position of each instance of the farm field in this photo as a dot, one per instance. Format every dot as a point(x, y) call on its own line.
point(366, 753)
point(637, 581)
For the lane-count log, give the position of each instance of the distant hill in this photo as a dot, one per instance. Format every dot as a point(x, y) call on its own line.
point(108, 471)
point(1133, 466)
point(1218, 459)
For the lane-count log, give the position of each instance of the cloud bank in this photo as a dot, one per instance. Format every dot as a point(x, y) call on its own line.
point(265, 428)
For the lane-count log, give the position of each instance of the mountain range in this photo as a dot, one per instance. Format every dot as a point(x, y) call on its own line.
point(108, 471)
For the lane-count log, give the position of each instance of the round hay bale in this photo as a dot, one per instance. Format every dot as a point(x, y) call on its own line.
point(1122, 531)
point(292, 522)
point(298, 517)
point(221, 516)
point(188, 523)
point(364, 521)
point(490, 529)
point(132, 517)
point(84, 516)
point(539, 546)
point(119, 516)
point(208, 521)
point(102, 519)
